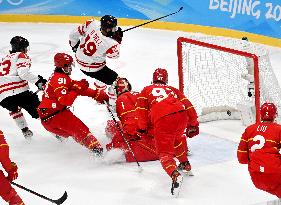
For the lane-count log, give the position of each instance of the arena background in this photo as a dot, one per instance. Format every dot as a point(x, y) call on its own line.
point(259, 20)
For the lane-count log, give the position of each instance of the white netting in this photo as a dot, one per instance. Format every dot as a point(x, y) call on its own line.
point(213, 80)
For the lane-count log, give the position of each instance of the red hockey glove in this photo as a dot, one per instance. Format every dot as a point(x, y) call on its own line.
point(80, 86)
point(101, 97)
point(192, 131)
point(118, 35)
point(13, 172)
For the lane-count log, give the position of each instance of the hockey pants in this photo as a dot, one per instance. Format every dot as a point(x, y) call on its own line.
point(169, 140)
point(66, 124)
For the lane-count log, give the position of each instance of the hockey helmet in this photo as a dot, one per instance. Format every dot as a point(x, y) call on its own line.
point(160, 75)
point(18, 44)
point(122, 86)
point(64, 61)
point(108, 25)
point(268, 112)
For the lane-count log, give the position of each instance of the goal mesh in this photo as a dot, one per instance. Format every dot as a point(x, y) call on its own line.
point(210, 75)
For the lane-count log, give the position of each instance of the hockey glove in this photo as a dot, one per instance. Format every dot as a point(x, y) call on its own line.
point(40, 82)
point(118, 35)
point(80, 86)
point(101, 97)
point(13, 172)
point(192, 131)
point(74, 48)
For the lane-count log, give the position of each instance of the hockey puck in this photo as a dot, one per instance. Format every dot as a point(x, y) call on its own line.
point(228, 113)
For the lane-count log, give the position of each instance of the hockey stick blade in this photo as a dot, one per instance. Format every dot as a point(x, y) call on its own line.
point(61, 200)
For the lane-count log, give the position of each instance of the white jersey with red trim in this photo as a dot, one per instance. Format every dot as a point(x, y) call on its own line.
point(15, 74)
point(94, 46)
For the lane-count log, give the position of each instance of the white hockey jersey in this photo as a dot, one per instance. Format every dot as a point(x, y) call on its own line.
point(94, 46)
point(15, 74)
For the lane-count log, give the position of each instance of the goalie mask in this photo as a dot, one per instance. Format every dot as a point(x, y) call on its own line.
point(268, 112)
point(108, 25)
point(19, 44)
point(122, 86)
point(64, 62)
point(160, 75)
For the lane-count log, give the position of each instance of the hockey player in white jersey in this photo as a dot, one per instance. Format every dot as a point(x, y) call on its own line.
point(93, 42)
point(14, 89)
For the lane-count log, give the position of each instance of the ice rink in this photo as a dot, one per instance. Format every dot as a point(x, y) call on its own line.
point(51, 167)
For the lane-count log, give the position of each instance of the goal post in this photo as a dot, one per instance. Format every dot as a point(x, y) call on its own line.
point(210, 70)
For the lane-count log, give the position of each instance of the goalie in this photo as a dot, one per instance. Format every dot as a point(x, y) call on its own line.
point(142, 144)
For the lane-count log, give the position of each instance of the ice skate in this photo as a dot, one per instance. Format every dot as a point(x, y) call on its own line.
point(177, 180)
point(98, 151)
point(27, 133)
point(185, 167)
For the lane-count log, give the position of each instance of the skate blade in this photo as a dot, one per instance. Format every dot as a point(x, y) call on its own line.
point(188, 173)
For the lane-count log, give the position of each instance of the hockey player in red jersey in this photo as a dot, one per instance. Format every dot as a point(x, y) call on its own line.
point(142, 145)
point(7, 192)
point(259, 147)
point(14, 90)
point(170, 114)
point(60, 92)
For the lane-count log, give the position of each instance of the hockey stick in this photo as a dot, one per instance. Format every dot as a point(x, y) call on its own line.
point(122, 134)
point(58, 201)
point(153, 20)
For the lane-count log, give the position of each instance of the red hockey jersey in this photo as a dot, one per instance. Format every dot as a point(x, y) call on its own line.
point(259, 147)
point(4, 153)
point(126, 111)
point(158, 100)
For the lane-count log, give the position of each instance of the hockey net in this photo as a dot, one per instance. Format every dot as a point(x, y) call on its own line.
point(210, 74)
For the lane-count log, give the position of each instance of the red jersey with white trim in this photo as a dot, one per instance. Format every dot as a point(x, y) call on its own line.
point(57, 93)
point(15, 74)
point(259, 147)
point(158, 100)
point(94, 46)
point(126, 109)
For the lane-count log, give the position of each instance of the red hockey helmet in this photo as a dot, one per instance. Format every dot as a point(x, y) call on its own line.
point(160, 75)
point(268, 112)
point(122, 85)
point(64, 61)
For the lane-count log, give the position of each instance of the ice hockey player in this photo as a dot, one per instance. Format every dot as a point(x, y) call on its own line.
point(60, 92)
point(7, 192)
point(170, 113)
point(259, 147)
point(92, 42)
point(142, 145)
point(14, 90)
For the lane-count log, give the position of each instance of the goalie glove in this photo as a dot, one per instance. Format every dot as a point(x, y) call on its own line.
point(118, 35)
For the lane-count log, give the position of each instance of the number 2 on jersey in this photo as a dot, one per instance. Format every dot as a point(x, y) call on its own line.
point(5, 67)
point(260, 145)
